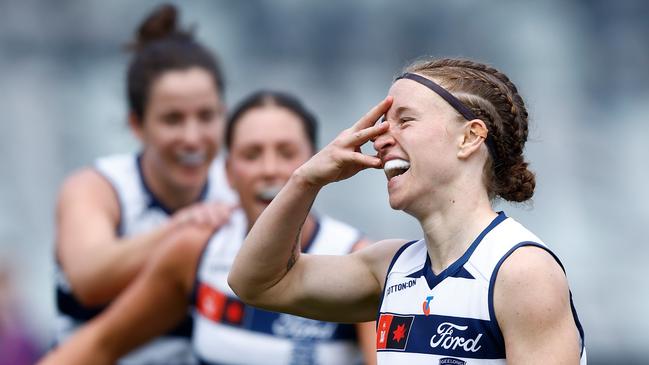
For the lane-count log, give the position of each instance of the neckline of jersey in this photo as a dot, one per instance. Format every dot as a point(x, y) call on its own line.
point(456, 267)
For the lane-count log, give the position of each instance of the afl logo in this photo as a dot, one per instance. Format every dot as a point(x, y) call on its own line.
point(426, 305)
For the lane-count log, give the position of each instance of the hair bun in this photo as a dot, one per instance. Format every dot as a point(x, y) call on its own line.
point(519, 183)
point(161, 23)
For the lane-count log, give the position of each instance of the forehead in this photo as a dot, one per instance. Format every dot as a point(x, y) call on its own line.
point(193, 85)
point(411, 95)
point(268, 124)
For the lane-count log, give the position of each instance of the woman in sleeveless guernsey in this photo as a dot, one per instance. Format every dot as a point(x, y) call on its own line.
point(268, 136)
point(478, 288)
point(113, 216)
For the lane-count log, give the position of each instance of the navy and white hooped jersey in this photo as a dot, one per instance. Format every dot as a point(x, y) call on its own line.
point(226, 331)
point(449, 318)
point(140, 212)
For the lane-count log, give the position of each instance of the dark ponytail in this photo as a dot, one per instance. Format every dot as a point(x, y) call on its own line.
point(160, 45)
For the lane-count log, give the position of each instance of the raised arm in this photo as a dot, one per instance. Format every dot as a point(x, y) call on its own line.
point(156, 301)
point(532, 305)
point(269, 270)
point(97, 263)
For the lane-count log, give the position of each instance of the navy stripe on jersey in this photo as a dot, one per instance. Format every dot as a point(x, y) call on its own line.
point(492, 282)
point(456, 269)
point(451, 336)
point(231, 311)
point(69, 305)
point(295, 327)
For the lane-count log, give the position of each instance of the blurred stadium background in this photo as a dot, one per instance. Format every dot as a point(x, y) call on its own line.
point(582, 65)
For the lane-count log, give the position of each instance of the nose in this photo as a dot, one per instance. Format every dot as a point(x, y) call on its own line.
point(383, 141)
point(270, 165)
point(192, 133)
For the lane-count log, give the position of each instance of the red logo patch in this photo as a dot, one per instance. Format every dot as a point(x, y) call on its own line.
point(210, 303)
point(393, 331)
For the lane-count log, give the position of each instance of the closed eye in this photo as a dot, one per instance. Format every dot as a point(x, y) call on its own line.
point(405, 121)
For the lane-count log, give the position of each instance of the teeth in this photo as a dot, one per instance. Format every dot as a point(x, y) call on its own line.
point(396, 164)
point(395, 167)
point(192, 158)
point(269, 193)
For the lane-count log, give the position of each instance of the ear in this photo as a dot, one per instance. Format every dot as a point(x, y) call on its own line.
point(475, 133)
point(136, 125)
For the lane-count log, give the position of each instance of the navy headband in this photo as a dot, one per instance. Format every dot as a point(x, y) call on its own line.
point(453, 101)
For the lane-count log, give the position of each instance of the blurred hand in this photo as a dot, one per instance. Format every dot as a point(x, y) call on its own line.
point(342, 158)
point(213, 215)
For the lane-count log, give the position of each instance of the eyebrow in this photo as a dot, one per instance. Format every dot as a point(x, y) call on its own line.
point(402, 109)
point(399, 110)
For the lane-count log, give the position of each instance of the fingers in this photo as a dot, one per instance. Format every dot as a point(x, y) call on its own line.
point(373, 115)
point(211, 214)
point(366, 160)
point(342, 158)
point(217, 214)
point(362, 136)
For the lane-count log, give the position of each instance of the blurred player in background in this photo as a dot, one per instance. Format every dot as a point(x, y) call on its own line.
point(113, 216)
point(18, 345)
point(269, 135)
point(479, 288)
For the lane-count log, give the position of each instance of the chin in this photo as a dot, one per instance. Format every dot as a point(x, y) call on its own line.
point(401, 202)
point(395, 204)
point(195, 181)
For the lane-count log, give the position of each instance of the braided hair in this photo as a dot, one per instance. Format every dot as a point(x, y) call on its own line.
point(493, 98)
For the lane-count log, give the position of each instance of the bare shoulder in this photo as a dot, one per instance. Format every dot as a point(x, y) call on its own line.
point(531, 288)
point(87, 210)
point(89, 185)
point(532, 280)
point(532, 304)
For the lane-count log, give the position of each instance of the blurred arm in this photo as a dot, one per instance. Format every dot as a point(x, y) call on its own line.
point(270, 272)
point(97, 263)
point(156, 301)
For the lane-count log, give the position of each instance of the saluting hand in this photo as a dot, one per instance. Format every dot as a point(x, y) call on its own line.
point(342, 158)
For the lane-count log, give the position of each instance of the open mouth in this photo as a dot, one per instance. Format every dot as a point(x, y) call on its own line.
point(395, 167)
point(192, 159)
point(267, 194)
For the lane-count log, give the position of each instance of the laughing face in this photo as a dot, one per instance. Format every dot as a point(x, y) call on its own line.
point(181, 130)
point(268, 143)
point(417, 148)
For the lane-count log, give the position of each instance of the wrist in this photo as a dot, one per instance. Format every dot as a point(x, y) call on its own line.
point(302, 181)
